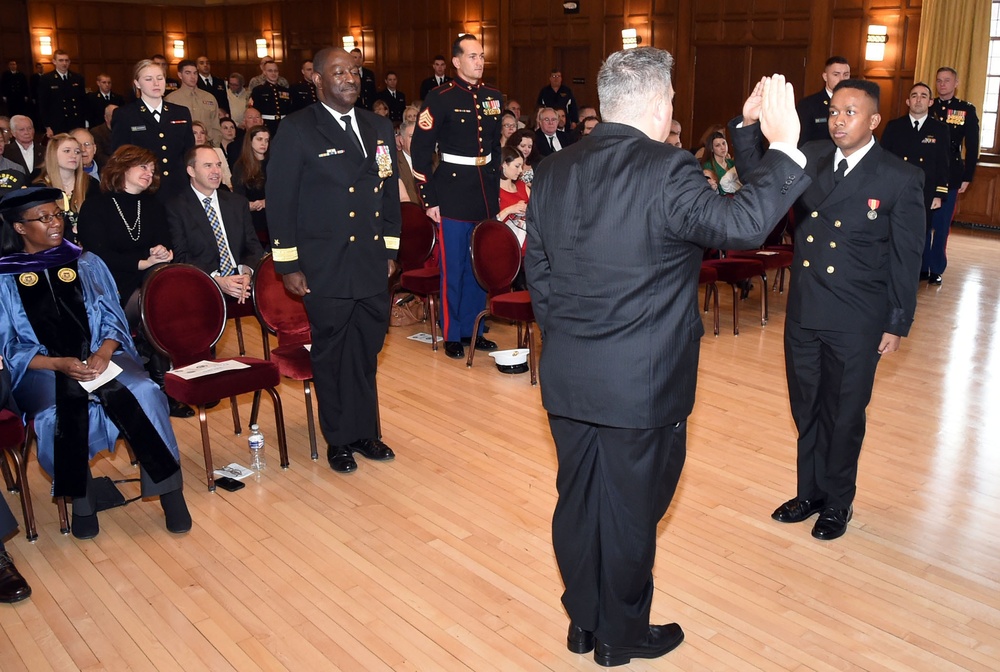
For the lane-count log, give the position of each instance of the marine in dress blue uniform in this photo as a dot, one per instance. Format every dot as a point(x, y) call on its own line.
point(274, 102)
point(462, 119)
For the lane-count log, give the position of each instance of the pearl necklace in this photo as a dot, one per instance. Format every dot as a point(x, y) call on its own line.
point(134, 230)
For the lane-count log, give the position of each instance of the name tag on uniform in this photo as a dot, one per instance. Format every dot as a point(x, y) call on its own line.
point(136, 129)
point(330, 152)
point(179, 121)
point(929, 140)
point(821, 120)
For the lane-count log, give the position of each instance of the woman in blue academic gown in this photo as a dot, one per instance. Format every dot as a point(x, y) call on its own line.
point(61, 324)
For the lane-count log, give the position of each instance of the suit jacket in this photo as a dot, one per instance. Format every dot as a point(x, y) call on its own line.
point(431, 83)
point(96, 104)
point(396, 105)
point(542, 141)
point(332, 213)
point(102, 138)
point(169, 139)
point(192, 236)
point(814, 112)
point(927, 149)
point(406, 175)
point(617, 224)
point(62, 104)
point(13, 153)
point(858, 247)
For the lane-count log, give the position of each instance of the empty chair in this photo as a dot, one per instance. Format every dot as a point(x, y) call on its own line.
point(416, 244)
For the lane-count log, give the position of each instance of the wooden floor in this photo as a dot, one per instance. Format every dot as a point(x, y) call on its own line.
point(442, 559)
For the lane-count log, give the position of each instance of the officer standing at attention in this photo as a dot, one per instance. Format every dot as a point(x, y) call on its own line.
point(963, 128)
point(813, 110)
point(62, 97)
point(271, 98)
point(462, 118)
point(304, 93)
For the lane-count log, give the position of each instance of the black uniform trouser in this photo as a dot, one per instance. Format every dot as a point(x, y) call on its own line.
point(830, 376)
point(614, 487)
point(347, 335)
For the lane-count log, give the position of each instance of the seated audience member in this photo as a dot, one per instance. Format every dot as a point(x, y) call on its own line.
point(408, 192)
point(588, 112)
point(513, 194)
point(515, 107)
point(381, 108)
point(251, 118)
point(508, 126)
point(674, 137)
point(102, 137)
point(717, 152)
point(228, 127)
point(63, 169)
point(548, 138)
point(60, 325)
point(561, 123)
point(201, 138)
point(524, 141)
point(15, 172)
point(586, 125)
point(13, 587)
point(88, 152)
point(250, 176)
point(197, 212)
point(24, 148)
point(411, 112)
point(699, 149)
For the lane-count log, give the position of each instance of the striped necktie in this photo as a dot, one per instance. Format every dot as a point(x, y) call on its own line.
point(225, 261)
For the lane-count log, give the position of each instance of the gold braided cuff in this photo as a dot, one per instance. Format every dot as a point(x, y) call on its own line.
point(391, 242)
point(291, 253)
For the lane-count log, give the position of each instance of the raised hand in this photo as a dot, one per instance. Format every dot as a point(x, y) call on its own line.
point(751, 108)
point(778, 120)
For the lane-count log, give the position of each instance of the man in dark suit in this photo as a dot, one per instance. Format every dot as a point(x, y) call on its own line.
point(440, 67)
point(393, 98)
point(98, 100)
point(62, 97)
point(26, 150)
point(217, 87)
point(366, 95)
point(14, 89)
point(852, 297)
point(333, 189)
point(923, 141)
point(813, 110)
point(212, 229)
point(618, 309)
point(548, 138)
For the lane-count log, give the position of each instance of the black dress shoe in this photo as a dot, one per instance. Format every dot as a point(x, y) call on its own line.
point(934, 279)
point(179, 410)
point(13, 587)
point(796, 510)
point(579, 640)
point(85, 527)
point(341, 460)
point(832, 523)
point(924, 276)
point(454, 349)
point(373, 449)
point(483, 343)
point(660, 639)
point(176, 512)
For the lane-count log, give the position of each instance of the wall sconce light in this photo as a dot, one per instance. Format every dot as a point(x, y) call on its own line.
point(349, 43)
point(178, 48)
point(630, 38)
point(571, 7)
point(261, 47)
point(45, 45)
point(875, 46)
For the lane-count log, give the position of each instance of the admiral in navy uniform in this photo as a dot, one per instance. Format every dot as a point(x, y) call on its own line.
point(852, 297)
point(333, 202)
point(923, 141)
point(161, 127)
point(462, 118)
point(272, 99)
point(963, 129)
point(813, 110)
point(62, 97)
point(304, 93)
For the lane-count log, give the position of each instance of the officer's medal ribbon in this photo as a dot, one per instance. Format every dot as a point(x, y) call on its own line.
point(873, 204)
point(383, 161)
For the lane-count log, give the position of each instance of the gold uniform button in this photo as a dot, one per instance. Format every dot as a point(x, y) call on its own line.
point(351, 239)
point(376, 236)
point(376, 190)
point(837, 223)
point(454, 175)
point(809, 239)
point(463, 121)
point(829, 269)
point(165, 173)
point(161, 135)
point(480, 128)
point(351, 189)
point(906, 158)
point(833, 244)
point(164, 160)
point(376, 213)
point(805, 263)
point(814, 214)
point(164, 148)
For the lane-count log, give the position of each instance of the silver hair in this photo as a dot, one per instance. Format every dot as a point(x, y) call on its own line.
point(629, 78)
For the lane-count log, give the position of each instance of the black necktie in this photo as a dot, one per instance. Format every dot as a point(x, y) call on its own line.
point(156, 115)
point(551, 146)
point(916, 125)
point(349, 127)
point(841, 171)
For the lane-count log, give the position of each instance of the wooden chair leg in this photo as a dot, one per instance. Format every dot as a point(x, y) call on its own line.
point(475, 330)
point(310, 421)
point(714, 289)
point(255, 408)
point(434, 321)
point(529, 338)
point(279, 421)
point(21, 485)
point(736, 311)
point(237, 430)
point(239, 337)
point(206, 446)
point(763, 300)
point(63, 516)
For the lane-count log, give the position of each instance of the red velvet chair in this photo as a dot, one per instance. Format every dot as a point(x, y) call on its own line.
point(737, 272)
point(284, 315)
point(13, 443)
point(496, 260)
point(416, 245)
point(184, 315)
point(773, 259)
point(708, 277)
point(235, 311)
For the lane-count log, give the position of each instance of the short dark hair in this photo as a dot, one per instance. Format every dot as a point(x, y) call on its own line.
point(923, 84)
point(192, 154)
point(871, 89)
point(157, 56)
point(947, 69)
point(439, 57)
point(456, 46)
point(835, 60)
point(510, 153)
point(124, 158)
point(356, 49)
point(390, 72)
point(185, 63)
point(227, 120)
point(308, 60)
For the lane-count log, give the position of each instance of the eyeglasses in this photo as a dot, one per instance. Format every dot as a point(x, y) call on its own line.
point(47, 218)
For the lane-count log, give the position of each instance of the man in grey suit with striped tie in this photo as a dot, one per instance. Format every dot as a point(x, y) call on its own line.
point(616, 227)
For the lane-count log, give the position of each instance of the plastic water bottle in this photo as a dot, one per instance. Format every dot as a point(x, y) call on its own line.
point(256, 442)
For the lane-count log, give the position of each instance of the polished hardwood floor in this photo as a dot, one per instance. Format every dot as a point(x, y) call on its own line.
point(441, 560)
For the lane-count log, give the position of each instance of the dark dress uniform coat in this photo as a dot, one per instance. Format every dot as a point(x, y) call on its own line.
point(14, 88)
point(929, 149)
point(169, 140)
point(814, 114)
point(62, 103)
point(218, 88)
point(333, 215)
point(303, 95)
point(274, 102)
point(96, 102)
point(963, 128)
point(431, 83)
point(396, 104)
